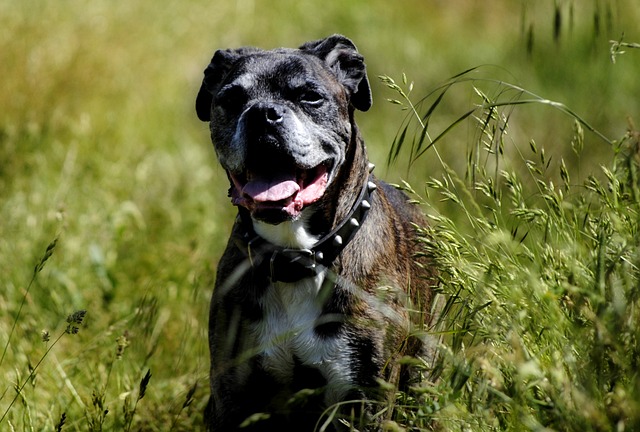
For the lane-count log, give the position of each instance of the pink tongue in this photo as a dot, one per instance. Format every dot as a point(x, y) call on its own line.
point(262, 190)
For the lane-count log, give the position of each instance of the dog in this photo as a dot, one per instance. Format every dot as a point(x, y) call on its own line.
point(322, 288)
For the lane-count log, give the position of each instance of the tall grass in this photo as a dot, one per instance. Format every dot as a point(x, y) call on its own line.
point(541, 277)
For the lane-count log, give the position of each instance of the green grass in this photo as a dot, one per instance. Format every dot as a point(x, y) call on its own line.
point(540, 278)
point(112, 203)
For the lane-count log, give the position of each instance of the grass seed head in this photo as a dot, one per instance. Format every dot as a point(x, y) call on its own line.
point(74, 321)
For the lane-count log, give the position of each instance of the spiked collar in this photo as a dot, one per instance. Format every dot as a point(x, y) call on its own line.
point(290, 265)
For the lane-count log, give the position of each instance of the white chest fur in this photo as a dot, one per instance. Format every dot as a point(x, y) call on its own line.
point(293, 234)
point(291, 311)
point(286, 334)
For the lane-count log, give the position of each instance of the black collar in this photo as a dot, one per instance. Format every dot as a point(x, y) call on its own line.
point(290, 265)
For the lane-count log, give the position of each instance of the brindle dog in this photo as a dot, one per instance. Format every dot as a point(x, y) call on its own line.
point(320, 290)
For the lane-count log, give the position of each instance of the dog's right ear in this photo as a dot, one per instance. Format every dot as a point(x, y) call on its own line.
point(342, 57)
point(215, 73)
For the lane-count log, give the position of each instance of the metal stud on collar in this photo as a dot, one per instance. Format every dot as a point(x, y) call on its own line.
point(330, 246)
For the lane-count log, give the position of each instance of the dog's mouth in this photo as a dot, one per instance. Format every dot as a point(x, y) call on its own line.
point(276, 197)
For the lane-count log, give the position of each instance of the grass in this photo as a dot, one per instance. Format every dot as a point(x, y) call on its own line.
point(541, 280)
point(112, 203)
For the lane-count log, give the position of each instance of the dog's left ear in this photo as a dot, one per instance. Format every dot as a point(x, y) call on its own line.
point(342, 57)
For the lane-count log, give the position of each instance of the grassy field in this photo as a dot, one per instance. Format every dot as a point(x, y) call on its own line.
point(112, 203)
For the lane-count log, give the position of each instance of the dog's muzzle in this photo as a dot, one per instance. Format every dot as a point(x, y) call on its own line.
point(272, 184)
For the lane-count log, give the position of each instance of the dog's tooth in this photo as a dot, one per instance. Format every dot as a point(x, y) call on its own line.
point(354, 222)
point(365, 205)
point(372, 186)
point(337, 240)
point(371, 166)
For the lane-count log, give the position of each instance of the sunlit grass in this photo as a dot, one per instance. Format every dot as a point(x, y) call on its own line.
point(541, 279)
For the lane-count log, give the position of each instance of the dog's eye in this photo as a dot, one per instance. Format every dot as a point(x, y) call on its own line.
point(231, 98)
point(311, 97)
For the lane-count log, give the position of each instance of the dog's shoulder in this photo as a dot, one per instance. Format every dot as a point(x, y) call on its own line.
point(401, 204)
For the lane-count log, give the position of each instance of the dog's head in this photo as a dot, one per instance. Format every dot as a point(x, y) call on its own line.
point(280, 121)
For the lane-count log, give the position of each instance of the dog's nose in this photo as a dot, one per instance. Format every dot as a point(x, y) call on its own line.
point(266, 113)
point(274, 115)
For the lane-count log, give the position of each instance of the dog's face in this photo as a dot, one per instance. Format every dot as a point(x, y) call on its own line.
point(280, 121)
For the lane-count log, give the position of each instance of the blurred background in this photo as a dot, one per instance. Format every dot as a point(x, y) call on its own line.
point(100, 145)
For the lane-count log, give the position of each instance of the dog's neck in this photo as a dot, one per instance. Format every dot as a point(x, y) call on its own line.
point(290, 264)
point(297, 235)
point(290, 234)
